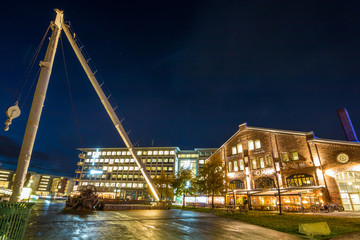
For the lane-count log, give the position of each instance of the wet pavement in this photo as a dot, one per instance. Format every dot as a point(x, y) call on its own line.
point(47, 221)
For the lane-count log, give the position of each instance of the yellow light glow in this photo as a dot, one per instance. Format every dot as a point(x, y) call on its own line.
point(316, 161)
point(330, 172)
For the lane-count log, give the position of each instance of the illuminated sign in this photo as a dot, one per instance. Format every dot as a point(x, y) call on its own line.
point(93, 172)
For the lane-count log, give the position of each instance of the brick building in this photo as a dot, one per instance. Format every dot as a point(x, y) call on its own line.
point(309, 170)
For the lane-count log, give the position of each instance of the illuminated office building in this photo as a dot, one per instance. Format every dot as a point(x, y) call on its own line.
point(114, 174)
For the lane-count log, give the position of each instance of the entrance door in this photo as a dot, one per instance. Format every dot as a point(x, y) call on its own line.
point(349, 186)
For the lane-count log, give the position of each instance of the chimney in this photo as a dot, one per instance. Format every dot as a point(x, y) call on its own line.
point(347, 125)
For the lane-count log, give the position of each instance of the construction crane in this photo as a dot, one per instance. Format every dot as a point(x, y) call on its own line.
point(38, 101)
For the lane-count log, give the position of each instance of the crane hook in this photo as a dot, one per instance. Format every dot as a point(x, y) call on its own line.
point(12, 112)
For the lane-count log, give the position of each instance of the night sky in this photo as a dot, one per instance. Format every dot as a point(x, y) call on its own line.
point(183, 73)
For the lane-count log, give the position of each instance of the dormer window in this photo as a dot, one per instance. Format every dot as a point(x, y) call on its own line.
point(233, 150)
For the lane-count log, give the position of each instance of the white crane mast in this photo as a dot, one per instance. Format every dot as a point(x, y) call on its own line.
point(38, 102)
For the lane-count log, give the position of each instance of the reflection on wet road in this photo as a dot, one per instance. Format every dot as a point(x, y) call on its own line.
point(48, 222)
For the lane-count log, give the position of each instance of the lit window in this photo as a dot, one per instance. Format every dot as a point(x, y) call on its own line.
point(113, 153)
point(115, 168)
point(128, 153)
point(147, 168)
point(159, 160)
point(134, 185)
point(121, 168)
point(152, 176)
point(127, 160)
point(233, 150)
point(170, 168)
point(251, 145)
point(153, 168)
point(103, 153)
point(241, 165)
point(96, 184)
point(201, 161)
point(149, 152)
point(154, 160)
point(239, 148)
point(294, 156)
point(110, 169)
point(141, 185)
point(236, 166)
point(123, 185)
point(112, 184)
point(124, 176)
point(254, 164)
point(116, 160)
point(171, 160)
point(269, 161)
point(165, 168)
point(122, 160)
point(131, 168)
point(107, 184)
point(159, 168)
point(101, 184)
point(123, 153)
point(166, 160)
point(136, 168)
point(148, 160)
point(257, 144)
point(117, 184)
point(105, 168)
point(118, 153)
point(132, 160)
point(144, 152)
point(129, 185)
point(166, 152)
point(161, 152)
point(262, 162)
point(126, 168)
point(155, 152)
point(172, 152)
point(108, 153)
point(101, 160)
point(139, 153)
point(96, 160)
point(87, 160)
point(89, 153)
point(106, 160)
point(230, 166)
point(285, 157)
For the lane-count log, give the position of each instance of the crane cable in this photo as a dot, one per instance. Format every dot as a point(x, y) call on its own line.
point(71, 97)
point(29, 69)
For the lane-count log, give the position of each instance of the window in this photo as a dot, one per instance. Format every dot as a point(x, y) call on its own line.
point(153, 168)
point(285, 157)
point(171, 160)
point(230, 167)
point(141, 185)
point(237, 184)
point(170, 168)
point(116, 160)
point(123, 153)
point(126, 168)
point(147, 168)
point(254, 164)
point(161, 152)
point(166, 152)
point(257, 144)
point(300, 180)
point(128, 153)
point(149, 152)
point(139, 153)
point(131, 168)
point(242, 167)
point(106, 160)
point(262, 162)
point(108, 153)
point(201, 161)
point(105, 168)
point(122, 160)
point(154, 160)
point(87, 160)
point(159, 168)
point(118, 153)
point(294, 156)
point(251, 145)
point(164, 168)
point(127, 160)
point(239, 148)
point(264, 182)
point(166, 160)
point(269, 161)
point(172, 152)
point(123, 185)
point(233, 150)
point(159, 160)
point(132, 160)
point(155, 152)
point(101, 160)
point(111, 161)
point(89, 153)
point(115, 168)
point(121, 168)
point(129, 185)
point(236, 169)
point(136, 168)
point(113, 153)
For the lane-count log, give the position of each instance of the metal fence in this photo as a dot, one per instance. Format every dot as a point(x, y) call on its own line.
point(13, 219)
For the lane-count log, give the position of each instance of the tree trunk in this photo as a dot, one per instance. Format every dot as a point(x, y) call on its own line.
point(183, 200)
point(212, 200)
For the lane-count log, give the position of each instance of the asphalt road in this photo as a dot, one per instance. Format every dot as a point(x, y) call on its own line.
point(48, 222)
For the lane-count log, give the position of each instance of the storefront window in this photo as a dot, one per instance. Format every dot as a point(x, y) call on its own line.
point(300, 180)
point(349, 185)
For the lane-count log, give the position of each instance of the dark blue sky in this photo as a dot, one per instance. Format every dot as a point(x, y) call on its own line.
point(184, 73)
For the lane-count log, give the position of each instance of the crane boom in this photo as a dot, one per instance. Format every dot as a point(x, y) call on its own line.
point(109, 109)
point(38, 102)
